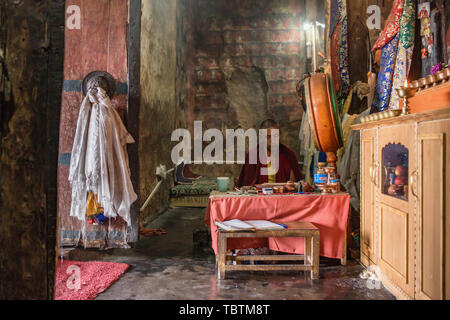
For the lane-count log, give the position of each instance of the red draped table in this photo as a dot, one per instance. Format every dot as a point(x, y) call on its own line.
point(328, 212)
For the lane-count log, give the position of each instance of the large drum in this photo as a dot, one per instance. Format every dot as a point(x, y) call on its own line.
point(324, 115)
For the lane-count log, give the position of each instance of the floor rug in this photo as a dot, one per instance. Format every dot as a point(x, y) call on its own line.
point(85, 280)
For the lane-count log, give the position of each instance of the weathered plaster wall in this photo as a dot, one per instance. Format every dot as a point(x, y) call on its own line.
point(31, 47)
point(163, 58)
point(248, 56)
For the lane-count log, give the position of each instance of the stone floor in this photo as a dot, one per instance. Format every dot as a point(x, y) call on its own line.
point(170, 267)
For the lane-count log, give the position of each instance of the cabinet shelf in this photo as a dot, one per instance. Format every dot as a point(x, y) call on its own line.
point(404, 227)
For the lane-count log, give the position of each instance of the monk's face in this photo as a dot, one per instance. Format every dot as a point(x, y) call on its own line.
point(272, 133)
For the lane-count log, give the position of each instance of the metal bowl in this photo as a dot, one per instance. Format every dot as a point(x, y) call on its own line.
point(447, 73)
point(415, 84)
point(431, 80)
point(278, 190)
point(440, 76)
point(423, 83)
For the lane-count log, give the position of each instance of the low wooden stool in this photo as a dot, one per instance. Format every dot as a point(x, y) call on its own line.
point(295, 229)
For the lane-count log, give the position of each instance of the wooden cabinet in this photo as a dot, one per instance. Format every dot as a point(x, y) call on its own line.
point(405, 234)
point(432, 179)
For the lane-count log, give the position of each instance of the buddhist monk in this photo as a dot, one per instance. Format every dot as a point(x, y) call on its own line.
point(288, 168)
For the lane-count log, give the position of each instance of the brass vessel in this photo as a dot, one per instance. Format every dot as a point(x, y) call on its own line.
point(447, 73)
point(415, 84)
point(405, 94)
point(431, 80)
point(422, 83)
point(441, 77)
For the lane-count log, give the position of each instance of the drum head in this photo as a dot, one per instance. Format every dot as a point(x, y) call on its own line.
point(324, 116)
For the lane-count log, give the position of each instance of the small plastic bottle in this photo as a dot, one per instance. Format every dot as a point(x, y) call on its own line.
point(321, 177)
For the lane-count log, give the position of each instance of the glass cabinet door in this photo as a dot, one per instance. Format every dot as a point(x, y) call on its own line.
point(395, 171)
point(396, 211)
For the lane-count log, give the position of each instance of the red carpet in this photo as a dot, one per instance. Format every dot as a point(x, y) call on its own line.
point(85, 280)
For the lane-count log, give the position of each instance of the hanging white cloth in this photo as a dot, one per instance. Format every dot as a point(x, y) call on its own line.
point(99, 161)
point(308, 147)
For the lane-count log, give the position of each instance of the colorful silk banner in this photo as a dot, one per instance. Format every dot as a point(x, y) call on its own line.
point(335, 56)
point(343, 60)
point(337, 12)
point(405, 51)
point(408, 24)
point(339, 49)
point(392, 27)
point(385, 76)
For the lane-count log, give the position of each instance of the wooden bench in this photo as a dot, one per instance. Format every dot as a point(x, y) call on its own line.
point(310, 258)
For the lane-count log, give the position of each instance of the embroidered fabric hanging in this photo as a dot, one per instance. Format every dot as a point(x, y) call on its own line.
point(99, 164)
point(343, 60)
point(397, 43)
point(339, 49)
point(392, 26)
point(335, 40)
point(385, 76)
point(336, 13)
point(405, 51)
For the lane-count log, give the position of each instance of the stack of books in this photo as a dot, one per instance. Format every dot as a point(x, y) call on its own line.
point(239, 225)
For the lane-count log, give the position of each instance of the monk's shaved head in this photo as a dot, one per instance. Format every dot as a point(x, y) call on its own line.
point(268, 124)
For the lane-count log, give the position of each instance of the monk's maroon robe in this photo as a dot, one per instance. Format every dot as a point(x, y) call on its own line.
point(251, 173)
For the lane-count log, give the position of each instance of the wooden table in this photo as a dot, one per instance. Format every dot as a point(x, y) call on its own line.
point(295, 229)
point(329, 213)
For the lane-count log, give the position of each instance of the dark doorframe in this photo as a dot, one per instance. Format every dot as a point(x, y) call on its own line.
point(134, 100)
point(32, 43)
point(55, 87)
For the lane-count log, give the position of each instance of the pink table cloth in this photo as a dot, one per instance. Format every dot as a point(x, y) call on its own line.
point(327, 212)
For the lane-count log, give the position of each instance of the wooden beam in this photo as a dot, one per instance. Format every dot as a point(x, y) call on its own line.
point(32, 42)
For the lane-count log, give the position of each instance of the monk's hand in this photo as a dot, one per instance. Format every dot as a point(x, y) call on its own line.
point(306, 187)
